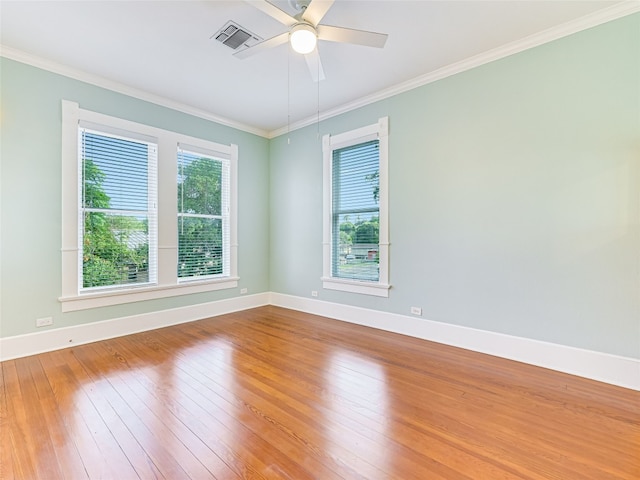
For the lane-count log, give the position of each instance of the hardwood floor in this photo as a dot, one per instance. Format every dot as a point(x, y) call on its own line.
point(271, 393)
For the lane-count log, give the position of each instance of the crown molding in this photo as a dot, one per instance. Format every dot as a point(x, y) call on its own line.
point(48, 65)
point(619, 10)
point(614, 12)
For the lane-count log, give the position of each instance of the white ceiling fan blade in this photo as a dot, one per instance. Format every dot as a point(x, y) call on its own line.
point(349, 35)
point(315, 66)
point(273, 11)
point(316, 11)
point(260, 47)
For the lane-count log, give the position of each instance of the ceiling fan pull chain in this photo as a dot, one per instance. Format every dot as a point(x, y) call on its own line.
point(318, 83)
point(288, 95)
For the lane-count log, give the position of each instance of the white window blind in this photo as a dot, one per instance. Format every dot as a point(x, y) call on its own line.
point(203, 214)
point(355, 213)
point(118, 222)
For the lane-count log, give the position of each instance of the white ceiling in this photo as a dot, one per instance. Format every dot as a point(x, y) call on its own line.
point(164, 48)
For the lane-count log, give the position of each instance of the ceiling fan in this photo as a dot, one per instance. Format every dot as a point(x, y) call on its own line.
point(305, 30)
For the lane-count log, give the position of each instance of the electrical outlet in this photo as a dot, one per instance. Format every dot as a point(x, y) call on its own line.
point(416, 311)
point(314, 293)
point(243, 291)
point(44, 322)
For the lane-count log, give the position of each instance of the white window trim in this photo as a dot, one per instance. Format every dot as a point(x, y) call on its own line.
point(167, 282)
point(378, 131)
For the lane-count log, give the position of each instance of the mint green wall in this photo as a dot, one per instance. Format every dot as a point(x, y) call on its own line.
point(31, 195)
point(514, 196)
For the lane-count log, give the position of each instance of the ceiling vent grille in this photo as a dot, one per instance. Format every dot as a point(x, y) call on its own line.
point(236, 37)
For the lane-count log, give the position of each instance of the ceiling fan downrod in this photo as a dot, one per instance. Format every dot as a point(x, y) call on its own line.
point(299, 5)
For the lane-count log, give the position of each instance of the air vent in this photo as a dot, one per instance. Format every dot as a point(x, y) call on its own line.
point(236, 37)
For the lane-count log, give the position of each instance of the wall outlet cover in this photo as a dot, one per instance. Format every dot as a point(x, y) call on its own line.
point(44, 322)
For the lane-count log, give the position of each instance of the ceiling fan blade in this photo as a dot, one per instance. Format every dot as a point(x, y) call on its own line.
point(316, 11)
point(315, 66)
point(273, 11)
point(349, 35)
point(259, 47)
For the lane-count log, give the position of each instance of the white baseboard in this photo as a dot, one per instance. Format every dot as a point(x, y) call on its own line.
point(603, 367)
point(55, 339)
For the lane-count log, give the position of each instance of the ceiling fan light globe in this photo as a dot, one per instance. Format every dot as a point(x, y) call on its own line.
point(303, 38)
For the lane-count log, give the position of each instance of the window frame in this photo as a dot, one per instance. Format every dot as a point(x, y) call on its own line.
point(167, 284)
point(225, 210)
point(379, 131)
point(152, 201)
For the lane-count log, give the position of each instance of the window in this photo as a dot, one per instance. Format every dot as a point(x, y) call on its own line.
point(118, 214)
point(355, 244)
point(124, 185)
point(203, 215)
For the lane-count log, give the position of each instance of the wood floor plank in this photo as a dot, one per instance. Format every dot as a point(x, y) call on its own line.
point(197, 393)
point(342, 415)
point(155, 414)
point(73, 427)
point(20, 430)
point(271, 393)
point(63, 447)
point(6, 450)
point(354, 398)
point(141, 463)
point(270, 415)
point(521, 407)
point(99, 449)
point(147, 433)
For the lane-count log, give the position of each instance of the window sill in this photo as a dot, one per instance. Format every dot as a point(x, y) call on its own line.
point(354, 286)
point(117, 297)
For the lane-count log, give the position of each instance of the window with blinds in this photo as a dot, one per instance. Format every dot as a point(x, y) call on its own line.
point(355, 214)
point(118, 224)
point(126, 235)
point(203, 215)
